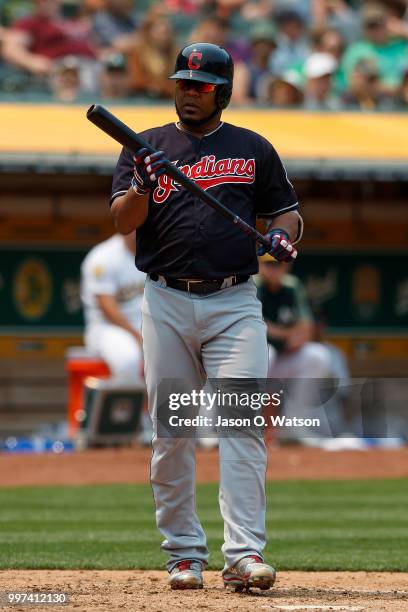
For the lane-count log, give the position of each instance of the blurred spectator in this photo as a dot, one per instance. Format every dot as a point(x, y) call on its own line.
point(189, 7)
point(34, 43)
point(402, 94)
point(114, 28)
point(319, 69)
point(114, 78)
point(223, 9)
point(92, 6)
point(337, 15)
point(328, 40)
point(379, 46)
point(397, 17)
point(65, 79)
point(212, 30)
point(2, 34)
point(152, 58)
point(302, 7)
point(293, 46)
point(280, 49)
point(216, 30)
point(257, 10)
point(364, 91)
point(248, 76)
point(282, 91)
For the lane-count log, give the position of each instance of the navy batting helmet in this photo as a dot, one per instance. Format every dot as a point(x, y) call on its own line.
point(207, 63)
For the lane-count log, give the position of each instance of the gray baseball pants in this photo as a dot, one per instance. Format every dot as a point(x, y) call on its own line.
point(191, 337)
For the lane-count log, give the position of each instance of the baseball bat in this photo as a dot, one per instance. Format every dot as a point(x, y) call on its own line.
point(120, 132)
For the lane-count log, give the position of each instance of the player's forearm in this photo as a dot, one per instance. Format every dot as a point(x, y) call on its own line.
point(303, 329)
point(129, 211)
point(290, 222)
point(277, 332)
point(300, 333)
point(113, 314)
point(18, 55)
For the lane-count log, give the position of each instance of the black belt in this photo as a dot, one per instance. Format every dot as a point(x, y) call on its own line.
point(201, 286)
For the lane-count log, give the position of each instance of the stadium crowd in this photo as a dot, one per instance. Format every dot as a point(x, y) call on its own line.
point(314, 54)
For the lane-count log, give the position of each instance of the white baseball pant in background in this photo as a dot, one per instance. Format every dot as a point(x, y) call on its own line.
point(303, 400)
point(118, 348)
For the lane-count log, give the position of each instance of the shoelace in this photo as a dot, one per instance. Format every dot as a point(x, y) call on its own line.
point(256, 558)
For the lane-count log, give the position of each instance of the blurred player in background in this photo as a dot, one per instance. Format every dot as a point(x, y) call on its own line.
point(112, 291)
point(293, 354)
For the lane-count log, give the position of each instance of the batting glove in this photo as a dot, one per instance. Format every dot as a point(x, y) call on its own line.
point(281, 248)
point(146, 170)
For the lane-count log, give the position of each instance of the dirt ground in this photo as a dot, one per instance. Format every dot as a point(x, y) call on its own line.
point(132, 466)
point(138, 591)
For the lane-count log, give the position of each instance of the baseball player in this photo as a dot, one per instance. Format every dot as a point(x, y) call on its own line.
point(201, 317)
point(111, 291)
point(293, 354)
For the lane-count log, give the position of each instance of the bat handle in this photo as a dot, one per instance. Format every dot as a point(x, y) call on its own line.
point(264, 240)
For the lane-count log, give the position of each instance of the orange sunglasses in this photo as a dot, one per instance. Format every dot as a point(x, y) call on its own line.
point(199, 86)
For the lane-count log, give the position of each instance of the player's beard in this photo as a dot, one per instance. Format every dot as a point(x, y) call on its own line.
point(195, 122)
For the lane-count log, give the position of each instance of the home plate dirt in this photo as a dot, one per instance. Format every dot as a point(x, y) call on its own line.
point(148, 591)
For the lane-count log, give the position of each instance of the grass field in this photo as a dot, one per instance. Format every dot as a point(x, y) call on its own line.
point(312, 525)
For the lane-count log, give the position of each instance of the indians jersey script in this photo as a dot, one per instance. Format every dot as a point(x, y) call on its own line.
point(182, 236)
point(109, 269)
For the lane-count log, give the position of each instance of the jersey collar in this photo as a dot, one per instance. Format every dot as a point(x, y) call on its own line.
point(195, 135)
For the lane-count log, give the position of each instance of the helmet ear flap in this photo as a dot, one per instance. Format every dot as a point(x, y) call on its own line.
point(223, 96)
